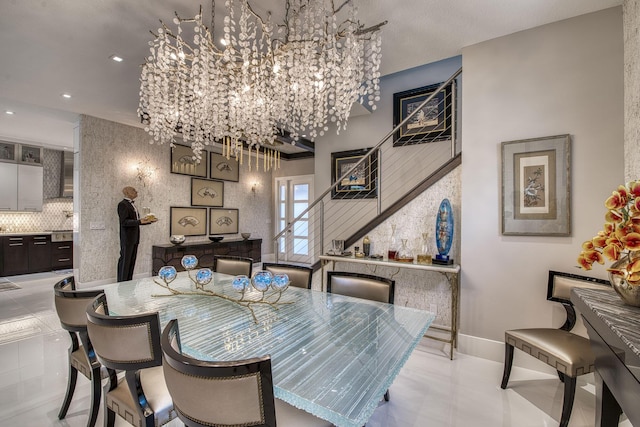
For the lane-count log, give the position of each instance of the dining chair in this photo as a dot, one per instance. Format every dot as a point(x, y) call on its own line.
point(365, 286)
point(568, 353)
point(131, 344)
point(233, 265)
point(359, 285)
point(299, 276)
point(71, 306)
point(229, 393)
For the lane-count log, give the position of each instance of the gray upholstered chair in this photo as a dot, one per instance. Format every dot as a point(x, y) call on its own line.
point(131, 344)
point(236, 393)
point(359, 285)
point(568, 353)
point(233, 265)
point(71, 306)
point(299, 276)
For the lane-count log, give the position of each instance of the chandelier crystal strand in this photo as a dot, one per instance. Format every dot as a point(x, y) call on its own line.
point(298, 75)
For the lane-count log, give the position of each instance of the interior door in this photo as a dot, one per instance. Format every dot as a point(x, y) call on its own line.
point(293, 196)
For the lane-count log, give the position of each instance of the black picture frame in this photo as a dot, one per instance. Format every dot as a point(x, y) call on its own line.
point(364, 185)
point(434, 123)
point(222, 168)
point(207, 192)
point(182, 162)
point(223, 221)
point(187, 221)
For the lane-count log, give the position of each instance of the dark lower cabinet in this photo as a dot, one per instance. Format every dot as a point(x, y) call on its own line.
point(39, 253)
point(15, 255)
point(61, 255)
point(205, 251)
point(25, 254)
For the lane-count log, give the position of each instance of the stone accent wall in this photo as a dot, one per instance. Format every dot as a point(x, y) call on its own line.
point(631, 18)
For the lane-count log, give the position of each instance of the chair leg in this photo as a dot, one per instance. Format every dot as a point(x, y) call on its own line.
point(567, 404)
point(96, 394)
point(109, 417)
point(508, 361)
point(560, 376)
point(386, 396)
point(71, 387)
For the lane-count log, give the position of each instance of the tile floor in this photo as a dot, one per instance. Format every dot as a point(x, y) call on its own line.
point(431, 390)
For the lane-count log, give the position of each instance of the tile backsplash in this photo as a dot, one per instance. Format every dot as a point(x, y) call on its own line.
point(56, 212)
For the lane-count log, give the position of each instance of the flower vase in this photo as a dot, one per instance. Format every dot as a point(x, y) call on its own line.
point(630, 294)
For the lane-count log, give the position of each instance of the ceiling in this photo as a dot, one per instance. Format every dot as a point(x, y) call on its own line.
point(51, 47)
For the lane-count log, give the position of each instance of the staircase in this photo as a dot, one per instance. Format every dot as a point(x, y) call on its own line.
point(374, 184)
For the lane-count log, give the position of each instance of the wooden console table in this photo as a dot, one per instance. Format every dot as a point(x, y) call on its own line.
point(451, 272)
point(169, 254)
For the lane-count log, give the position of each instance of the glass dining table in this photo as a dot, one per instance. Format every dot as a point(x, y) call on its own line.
point(332, 355)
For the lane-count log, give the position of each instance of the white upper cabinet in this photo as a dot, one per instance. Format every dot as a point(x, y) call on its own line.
point(30, 188)
point(8, 187)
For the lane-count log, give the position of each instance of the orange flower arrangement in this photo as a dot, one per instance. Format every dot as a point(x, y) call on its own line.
point(620, 236)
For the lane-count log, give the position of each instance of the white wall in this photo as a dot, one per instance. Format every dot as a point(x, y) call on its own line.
point(560, 78)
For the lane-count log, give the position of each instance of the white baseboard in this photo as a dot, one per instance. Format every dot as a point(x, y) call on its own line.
point(494, 350)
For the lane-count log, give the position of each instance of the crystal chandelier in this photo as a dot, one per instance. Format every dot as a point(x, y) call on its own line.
point(260, 77)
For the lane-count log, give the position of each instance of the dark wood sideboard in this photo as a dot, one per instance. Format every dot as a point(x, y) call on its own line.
point(614, 331)
point(169, 254)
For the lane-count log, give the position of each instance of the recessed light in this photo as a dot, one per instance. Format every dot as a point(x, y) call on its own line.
point(116, 58)
point(66, 96)
point(11, 113)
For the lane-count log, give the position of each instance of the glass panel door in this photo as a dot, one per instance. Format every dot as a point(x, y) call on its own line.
point(294, 194)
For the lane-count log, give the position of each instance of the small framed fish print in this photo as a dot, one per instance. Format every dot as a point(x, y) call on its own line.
point(223, 221)
point(183, 162)
point(223, 168)
point(207, 192)
point(188, 221)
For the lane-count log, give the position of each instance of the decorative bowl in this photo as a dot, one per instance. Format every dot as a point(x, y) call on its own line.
point(245, 236)
point(216, 238)
point(177, 239)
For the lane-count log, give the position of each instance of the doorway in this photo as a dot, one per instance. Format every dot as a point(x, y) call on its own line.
point(293, 196)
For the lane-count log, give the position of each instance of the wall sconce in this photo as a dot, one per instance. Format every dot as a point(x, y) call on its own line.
point(145, 171)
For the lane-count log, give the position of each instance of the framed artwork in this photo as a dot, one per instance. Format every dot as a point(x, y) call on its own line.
point(30, 154)
point(207, 192)
point(536, 187)
point(223, 168)
point(188, 221)
point(184, 163)
point(223, 221)
point(431, 122)
point(361, 182)
point(8, 152)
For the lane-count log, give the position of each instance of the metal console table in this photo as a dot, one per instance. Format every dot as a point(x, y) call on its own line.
point(451, 272)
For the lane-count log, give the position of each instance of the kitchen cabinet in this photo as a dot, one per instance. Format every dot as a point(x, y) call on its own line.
point(21, 187)
point(15, 255)
point(61, 255)
point(30, 188)
point(8, 187)
point(25, 254)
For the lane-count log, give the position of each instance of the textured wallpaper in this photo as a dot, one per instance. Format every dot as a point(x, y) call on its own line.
point(631, 18)
point(109, 154)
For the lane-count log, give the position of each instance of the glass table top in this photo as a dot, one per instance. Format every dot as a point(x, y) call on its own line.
point(333, 356)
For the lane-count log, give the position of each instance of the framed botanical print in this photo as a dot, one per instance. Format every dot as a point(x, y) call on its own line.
point(183, 162)
point(430, 122)
point(188, 221)
point(207, 192)
point(536, 187)
point(223, 168)
point(223, 221)
point(361, 182)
